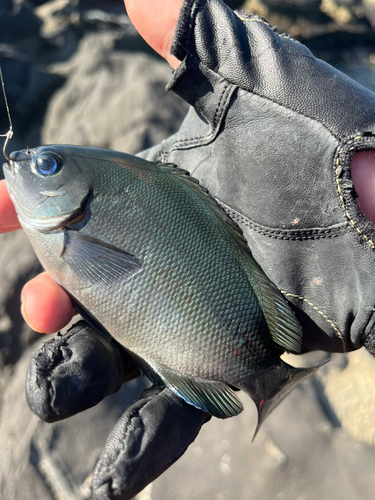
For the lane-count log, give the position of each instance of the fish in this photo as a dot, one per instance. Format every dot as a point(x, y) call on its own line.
point(151, 260)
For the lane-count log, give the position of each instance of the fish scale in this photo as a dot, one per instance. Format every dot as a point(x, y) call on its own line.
point(144, 250)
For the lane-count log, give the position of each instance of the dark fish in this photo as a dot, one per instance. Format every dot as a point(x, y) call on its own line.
point(148, 255)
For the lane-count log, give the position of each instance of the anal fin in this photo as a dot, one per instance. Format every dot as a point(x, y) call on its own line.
point(216, 398)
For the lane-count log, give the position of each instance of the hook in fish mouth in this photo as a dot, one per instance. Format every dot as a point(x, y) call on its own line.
point(8, 169)
point(8, 137)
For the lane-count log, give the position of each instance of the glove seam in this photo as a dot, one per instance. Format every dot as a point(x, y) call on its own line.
point(331, 323)
point(259, 19)
point(220, 111)
point(284, 234)
point(223, 108)
point(254, 225)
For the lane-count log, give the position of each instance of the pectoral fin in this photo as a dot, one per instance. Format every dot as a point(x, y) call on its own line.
point(216, 398)
point(98, 263)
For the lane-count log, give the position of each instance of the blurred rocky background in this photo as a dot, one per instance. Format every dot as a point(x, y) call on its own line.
point(77, 72)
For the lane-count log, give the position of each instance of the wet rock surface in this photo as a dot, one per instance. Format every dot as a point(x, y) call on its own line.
point(77, 72)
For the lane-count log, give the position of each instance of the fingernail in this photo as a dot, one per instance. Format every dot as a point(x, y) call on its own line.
point(23, 306)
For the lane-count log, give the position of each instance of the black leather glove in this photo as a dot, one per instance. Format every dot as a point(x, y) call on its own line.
point(75, 371)
point(270, 133)
point(271, 137)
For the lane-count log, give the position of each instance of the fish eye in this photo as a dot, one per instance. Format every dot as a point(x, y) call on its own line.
point(48, 163)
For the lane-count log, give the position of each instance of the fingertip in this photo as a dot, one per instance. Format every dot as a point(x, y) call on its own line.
point(363, 177)
point(8, 217)
point(156, 21)
point(46, 307)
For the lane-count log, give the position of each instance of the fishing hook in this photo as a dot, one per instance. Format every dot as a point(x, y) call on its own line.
point(9, 134)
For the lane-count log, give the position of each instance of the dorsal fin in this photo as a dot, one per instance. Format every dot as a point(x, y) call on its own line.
point(284, 327)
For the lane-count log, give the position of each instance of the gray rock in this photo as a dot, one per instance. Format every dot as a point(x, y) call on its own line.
point(18, 264)
point(328, 27)
point(28, 86)
point(112, 99)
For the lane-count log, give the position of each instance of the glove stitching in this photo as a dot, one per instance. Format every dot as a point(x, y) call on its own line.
point(335, 328)
point(342, 201)
point(287, 294)
point(210, 136)
point(284, 234)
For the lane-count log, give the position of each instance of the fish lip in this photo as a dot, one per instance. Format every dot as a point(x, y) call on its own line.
point(8, 170)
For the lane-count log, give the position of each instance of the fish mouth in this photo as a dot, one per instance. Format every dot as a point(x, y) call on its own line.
point(74, 217)
point(8, 171)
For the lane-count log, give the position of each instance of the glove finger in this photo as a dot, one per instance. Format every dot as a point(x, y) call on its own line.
point(150, 436)
point(73, 372)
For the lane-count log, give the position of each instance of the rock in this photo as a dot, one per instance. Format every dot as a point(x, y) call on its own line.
point(18, 264)
point(351, 393)
point(112, 99)
point(325, 26)
point(28, 87)
point(18, 23)
point(28, 82)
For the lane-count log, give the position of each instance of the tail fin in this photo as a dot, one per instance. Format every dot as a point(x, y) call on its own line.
point(272, 385)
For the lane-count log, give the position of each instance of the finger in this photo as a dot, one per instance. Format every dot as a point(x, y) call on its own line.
point(73, 372)
point(46, 307)
point(363, 177)
point(150, 436)
point(8, 217)
point(156, 21)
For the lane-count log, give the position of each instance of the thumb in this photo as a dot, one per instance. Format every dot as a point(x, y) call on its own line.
point(156, 21)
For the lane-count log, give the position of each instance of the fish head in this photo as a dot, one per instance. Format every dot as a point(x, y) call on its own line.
point(49, 186)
